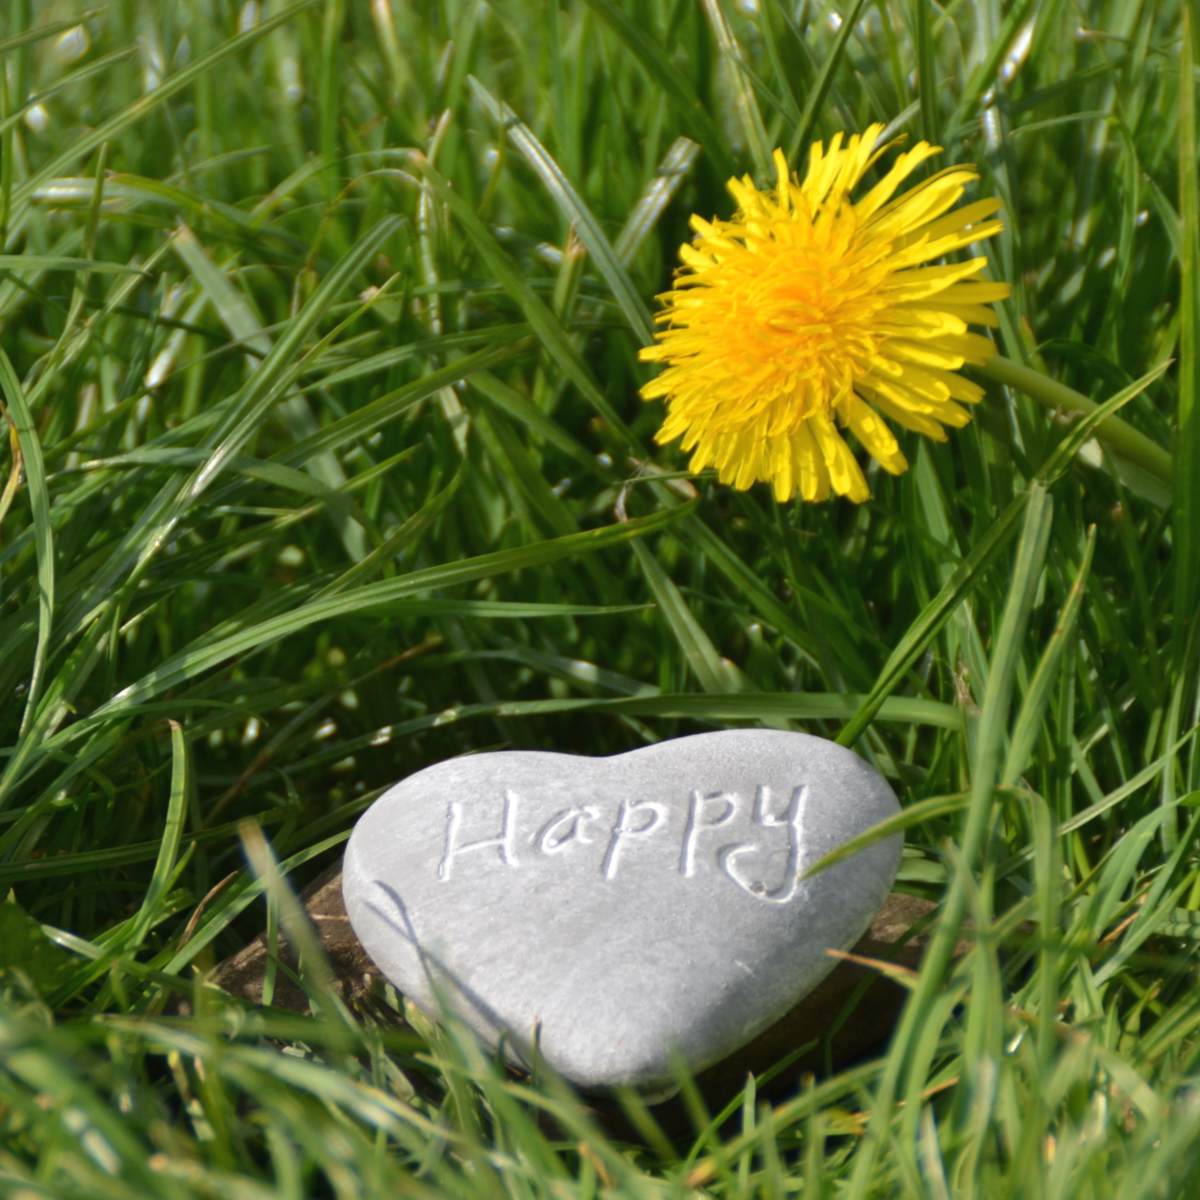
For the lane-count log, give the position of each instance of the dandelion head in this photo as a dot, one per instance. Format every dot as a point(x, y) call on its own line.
point(809, 313)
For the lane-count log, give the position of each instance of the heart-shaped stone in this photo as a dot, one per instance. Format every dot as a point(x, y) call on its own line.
point(624, 910)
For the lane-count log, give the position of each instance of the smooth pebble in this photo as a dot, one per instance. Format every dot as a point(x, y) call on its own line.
point(627, 912)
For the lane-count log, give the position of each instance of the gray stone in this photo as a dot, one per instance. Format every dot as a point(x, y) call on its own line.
point(621, 910)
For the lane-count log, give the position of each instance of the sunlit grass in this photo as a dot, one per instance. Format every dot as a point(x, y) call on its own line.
point(322, 459)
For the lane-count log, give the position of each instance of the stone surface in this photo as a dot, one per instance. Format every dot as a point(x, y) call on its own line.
point(621, 909)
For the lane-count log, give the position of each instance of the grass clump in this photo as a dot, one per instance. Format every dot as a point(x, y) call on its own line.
point(324, 461)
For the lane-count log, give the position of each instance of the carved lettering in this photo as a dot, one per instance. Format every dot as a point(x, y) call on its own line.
point(503, 844)
point(623, 829)
point(696, 821)
point(791, 819)
point(764, 864)
point(567, 825)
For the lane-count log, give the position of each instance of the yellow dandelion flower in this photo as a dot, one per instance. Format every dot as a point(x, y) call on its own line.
point(809, 313)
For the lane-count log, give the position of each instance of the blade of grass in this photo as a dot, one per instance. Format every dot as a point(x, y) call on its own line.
point(959, 583)
point(527, 414)
point(711, 671)
point(316, 975)
point(985, 766)
point(43, 530)
point(676, 165)
point(1186, 546)
point(745, 102)
point(244, 324)
point(1152, 912)
point(106, 131)
point(42, 98)
point(39, 33)
point(986, 74)
point(16, 473)
point(752, 706)
point(370, 596)
point(1029, 718)
point(164, 873)
point(786, 84)
point(546, 325)
point(374, 414)
point(698, 536)
point(912, 816)
point(573, 209)
point(63, 262)
point(922, 631)
point(805, 128)
point(7, 139)
point(265, 386)
point(761, 707)
point(656, 62)
point(927, 86)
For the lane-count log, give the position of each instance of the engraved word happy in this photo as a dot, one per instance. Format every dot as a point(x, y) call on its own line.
point(765, 864)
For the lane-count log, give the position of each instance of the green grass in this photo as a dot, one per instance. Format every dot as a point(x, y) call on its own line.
point(321, 459)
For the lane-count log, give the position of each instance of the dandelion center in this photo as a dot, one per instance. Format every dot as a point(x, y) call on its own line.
point(804, 326)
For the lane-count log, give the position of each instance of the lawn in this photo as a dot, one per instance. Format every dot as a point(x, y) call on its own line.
point(323, 459)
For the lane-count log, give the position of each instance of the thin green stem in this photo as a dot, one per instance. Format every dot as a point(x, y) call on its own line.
point(1123, 440)
point(981, 816)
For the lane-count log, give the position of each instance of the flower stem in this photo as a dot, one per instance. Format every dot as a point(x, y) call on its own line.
point(1123, 440)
